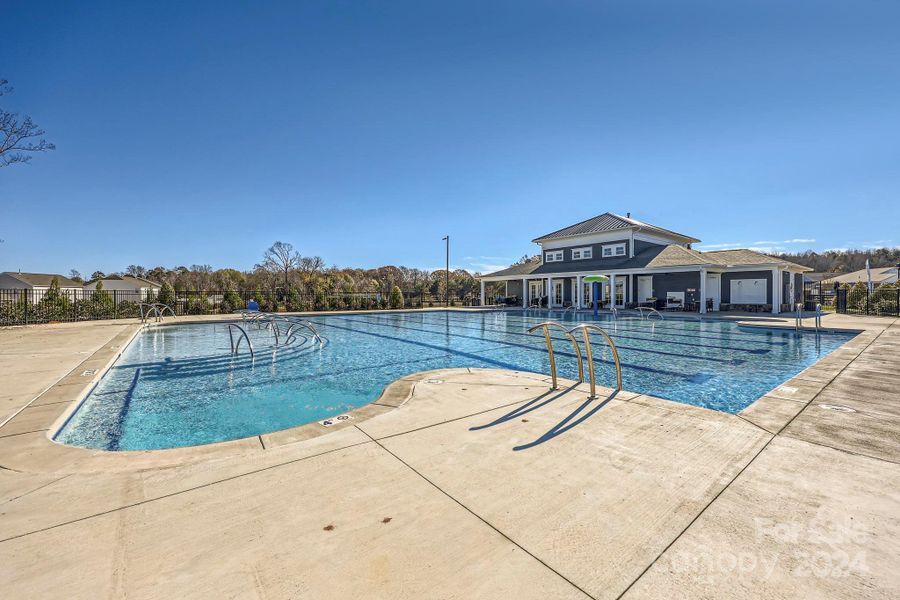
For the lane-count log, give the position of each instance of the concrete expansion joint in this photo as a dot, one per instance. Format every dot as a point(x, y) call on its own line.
point(476, 515)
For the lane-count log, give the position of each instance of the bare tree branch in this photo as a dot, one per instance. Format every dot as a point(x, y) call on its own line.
point(19, 139)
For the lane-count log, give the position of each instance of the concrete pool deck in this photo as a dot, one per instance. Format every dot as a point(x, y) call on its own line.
point(629, 496)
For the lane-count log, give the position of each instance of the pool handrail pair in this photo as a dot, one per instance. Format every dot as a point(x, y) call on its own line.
point(586, 329)
point(271, 320)
point(158, 309)
point(649, 312)
point(798, 317)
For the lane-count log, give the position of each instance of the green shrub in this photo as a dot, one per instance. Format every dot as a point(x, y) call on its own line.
point(395, 300)
point(166, 295)
point(197, 305)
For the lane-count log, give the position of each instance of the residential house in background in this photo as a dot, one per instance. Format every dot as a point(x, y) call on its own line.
point(35, 285)
point(880, 275)
point(126, 287)
point(650, 266)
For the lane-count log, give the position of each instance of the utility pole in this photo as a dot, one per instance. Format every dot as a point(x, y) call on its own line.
point(446, 238)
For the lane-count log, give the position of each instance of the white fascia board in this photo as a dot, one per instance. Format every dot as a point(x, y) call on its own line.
point(653, 239)
point(585, 239)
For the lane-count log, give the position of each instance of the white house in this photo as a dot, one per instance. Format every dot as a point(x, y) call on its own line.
point(35, 285)
point(134, 289)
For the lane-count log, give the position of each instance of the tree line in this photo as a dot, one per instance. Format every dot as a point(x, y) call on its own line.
point(284, 271)
point(844, 261)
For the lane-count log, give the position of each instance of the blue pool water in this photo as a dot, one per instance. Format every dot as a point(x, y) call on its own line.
point(179, 385)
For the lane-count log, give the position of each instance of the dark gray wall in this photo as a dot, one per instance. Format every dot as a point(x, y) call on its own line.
point(597, 262)
point(728, 277)
point(664, 283)
point(514, 288)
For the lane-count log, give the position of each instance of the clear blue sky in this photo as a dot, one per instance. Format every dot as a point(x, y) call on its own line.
point(364, 132)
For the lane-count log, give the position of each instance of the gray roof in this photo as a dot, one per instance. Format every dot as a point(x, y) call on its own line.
point(42, 279)
point(609, 222)
point(524, 268)
point(744, 257)
point(879, 275)
point(654, 257)
point(136, 281)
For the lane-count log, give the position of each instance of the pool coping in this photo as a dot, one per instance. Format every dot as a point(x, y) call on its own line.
point(40, 452)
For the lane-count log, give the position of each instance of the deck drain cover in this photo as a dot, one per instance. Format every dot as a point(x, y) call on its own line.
point(787, 389)
point(335, 420)
point(846, 409)
point(89, 372)
point(434, 381)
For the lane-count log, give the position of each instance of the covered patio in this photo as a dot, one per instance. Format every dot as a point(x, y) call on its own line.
point(695, 288)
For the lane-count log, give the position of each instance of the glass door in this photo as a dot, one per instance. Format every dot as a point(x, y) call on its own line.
point(558, 292)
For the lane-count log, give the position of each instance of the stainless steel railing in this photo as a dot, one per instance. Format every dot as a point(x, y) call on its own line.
point(235, 347)
point(818, 317)
point(306, 325)
point(798, 317)
point(649, 312)
point(586, 329)
point(546, 325)
point(157, 308)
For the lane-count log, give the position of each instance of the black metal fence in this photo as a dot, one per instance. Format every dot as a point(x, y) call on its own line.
point(883, 300)
point(24, 307)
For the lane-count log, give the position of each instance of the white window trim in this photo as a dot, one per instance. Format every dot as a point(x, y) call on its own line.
point(612, 250)
point(588, 250)
point(554, 256)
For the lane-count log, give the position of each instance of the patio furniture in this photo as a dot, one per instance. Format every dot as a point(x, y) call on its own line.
point(675, 301)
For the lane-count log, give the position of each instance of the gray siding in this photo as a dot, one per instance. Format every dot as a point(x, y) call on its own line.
point(663, 283)
point(514, 287)
point(597, 262)
point(727, 278)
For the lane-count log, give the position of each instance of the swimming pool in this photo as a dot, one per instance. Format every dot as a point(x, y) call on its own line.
point(179, 385)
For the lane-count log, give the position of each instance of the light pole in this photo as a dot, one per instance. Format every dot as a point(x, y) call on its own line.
point(446, 238)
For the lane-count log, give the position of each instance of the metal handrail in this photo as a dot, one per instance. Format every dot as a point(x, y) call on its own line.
point(798, 317)
point(271, 324)
point(818, 317)
point(141, 309)
point(546, 325)
point(146, 315)
point(234, 347)
point(308, 326)
point(649, 312)
point(615, 312)
point(165, 307)
point(158, 309)
point(586, 328)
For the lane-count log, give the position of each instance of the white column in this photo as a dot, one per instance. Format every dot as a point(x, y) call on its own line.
point(524, 293)
point(549, 291)
point(482, 292)
point(702, 291)
point(612, 289)
point(579, 291)
point(776, 291)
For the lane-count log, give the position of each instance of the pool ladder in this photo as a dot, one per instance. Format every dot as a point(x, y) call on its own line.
point(156, 308)
point(798, 317)
point(272, 322)
point(585, 329)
